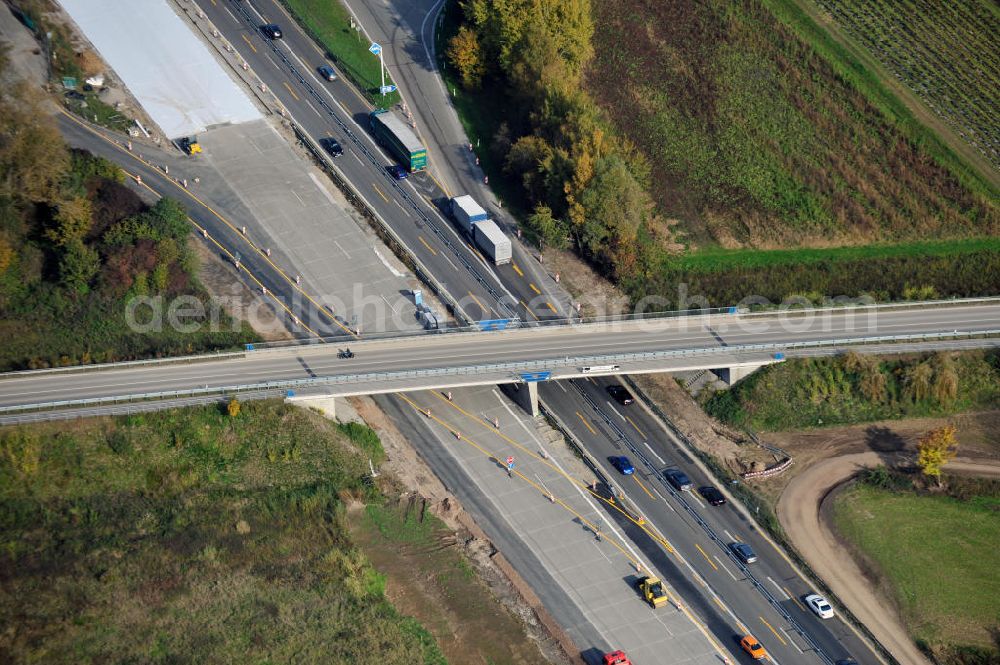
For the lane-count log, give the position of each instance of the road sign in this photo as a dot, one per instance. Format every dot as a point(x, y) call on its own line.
point(386, 89)
point(375, 48)
point(493, 324)
point(532, 377)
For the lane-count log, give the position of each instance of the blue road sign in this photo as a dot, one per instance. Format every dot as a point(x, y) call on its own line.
point(249, 347)
point(532, 377)
point(734, 310)
point(386, 89)
point(375, 48)
point(493, 324)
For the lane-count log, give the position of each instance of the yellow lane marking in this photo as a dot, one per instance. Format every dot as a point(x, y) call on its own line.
point(792, 596)
point(710, 562)
point(432, 250)
point(641, 433)
point(554, 311)
point(440, 186)
point(527, 309)
point(186, 192)
point(517, 269)
point(584, 421)
point(380, 192)
point(247, 40)
point(530, 453)
point(773, 630)
point(583, 520)
point(639, 483)
point(481, 306)
point(719, 603)
point(289, 88)
point(521, 476)
point(534, 288)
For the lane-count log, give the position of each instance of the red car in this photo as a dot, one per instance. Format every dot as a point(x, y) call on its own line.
point(616, 658)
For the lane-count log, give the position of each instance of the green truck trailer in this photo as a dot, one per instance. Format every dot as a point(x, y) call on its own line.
point(394, 134)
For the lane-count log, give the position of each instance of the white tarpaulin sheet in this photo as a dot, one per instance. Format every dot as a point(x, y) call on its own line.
point(166, 67)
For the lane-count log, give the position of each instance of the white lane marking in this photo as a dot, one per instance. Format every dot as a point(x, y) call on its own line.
point(387, 264)
point(653, 452)
point(610, 527)
point(315, 110)
point(561, 386)
point(725, 566)
point(696, 498)
point(323, 188)
point(405, 211)
point(342, 249)
point(355, 156)
point(665, 502)
point(790, 639)
point(780, 590)
point(611, 406)
point(729, 536)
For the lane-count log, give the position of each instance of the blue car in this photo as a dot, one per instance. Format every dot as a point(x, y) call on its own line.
point(623, 465)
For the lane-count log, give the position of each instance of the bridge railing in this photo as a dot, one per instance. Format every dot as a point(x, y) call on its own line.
point(502, 372)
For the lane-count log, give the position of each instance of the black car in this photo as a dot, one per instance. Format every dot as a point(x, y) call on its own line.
point(712, 495)
point(326, 71)
point(331, 146)
point(271, 30)
point(678, 479)
point(743, 552)
point(621, 394)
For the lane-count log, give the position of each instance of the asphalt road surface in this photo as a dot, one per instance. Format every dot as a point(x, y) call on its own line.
point(460, 353)
point(764, 598)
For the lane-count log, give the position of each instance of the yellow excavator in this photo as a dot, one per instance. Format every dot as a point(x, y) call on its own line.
point(190, 145)
point(652, 591)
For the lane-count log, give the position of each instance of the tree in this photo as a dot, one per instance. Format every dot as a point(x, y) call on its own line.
point(616, 206)
point(465, 55)
point(935, 449)
point(73, 220)
point(551, 231)
point(233, 408)
point(78, 266)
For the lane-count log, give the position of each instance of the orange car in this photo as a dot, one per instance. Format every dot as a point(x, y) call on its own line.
point(753, 647)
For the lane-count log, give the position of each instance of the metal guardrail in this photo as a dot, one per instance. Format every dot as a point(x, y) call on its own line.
point(501, 372)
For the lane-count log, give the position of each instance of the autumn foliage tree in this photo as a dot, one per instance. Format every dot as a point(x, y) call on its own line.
point(464, 55)
point(935, 449)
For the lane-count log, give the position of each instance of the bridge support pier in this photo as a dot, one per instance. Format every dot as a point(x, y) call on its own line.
point(526, 396)
point(732, 375)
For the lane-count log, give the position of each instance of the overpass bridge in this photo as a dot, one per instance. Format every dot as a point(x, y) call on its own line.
point(731, 344)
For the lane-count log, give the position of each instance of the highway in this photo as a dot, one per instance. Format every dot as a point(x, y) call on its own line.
point(411, 208)
point(700, 533)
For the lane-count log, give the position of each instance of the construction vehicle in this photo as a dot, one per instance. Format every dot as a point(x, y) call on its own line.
point(652, 591)
point(189, 145)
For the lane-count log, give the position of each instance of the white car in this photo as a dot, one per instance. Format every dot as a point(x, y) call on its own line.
point(819, 605)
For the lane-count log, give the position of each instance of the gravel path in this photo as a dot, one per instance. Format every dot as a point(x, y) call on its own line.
point(799, 514)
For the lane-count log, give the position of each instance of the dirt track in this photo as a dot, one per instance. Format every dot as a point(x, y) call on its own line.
point(799, 514)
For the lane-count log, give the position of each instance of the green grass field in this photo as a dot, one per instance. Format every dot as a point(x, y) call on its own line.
point(937, 557)
point(189, 536)
point(328, 22)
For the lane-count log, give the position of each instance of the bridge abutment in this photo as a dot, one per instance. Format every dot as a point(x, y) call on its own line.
point(526, 396)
